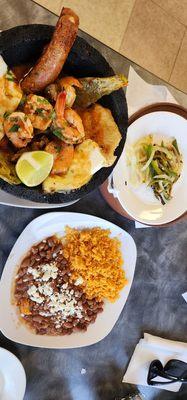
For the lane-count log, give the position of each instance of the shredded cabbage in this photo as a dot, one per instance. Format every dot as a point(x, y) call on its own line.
point(158, 166)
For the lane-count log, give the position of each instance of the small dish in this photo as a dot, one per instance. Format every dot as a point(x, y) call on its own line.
point(141, 207)
point(37, 230)
point(12, 376)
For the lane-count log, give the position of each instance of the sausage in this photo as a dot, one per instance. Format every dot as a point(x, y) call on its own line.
point(49, 65)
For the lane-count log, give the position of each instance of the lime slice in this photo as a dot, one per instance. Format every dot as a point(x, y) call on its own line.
point(33, 167)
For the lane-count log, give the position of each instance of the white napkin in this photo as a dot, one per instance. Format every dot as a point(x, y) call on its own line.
point(148, 349)
point(184, 295)
point(140, 94)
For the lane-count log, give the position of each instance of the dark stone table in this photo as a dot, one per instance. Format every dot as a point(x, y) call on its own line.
point(155, 304)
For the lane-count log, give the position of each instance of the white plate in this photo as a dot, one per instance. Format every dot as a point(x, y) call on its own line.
point(8, 199)
point(12, 376)
point(142, 204)
point(37, 230)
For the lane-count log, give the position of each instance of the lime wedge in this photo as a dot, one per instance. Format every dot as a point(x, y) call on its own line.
point(33, 167)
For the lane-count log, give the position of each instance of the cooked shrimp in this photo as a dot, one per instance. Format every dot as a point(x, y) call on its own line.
point(39, 111)
point(74, 132)
point(67, 83)
point(54, 56)
point(63, 156)
point(68, 124)
point(1, 128)
point(18, 129)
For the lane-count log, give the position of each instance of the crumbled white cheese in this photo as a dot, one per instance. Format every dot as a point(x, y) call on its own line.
point(45, 289)
point(64, 303)
point(45, 314)
point(79, 281)
point(49, 270)
point(34, 295)
point(32, 290)
point(64, 286)
point(34, 272)
point(61, 305)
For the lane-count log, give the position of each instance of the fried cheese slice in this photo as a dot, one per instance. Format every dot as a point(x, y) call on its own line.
point(88, 159)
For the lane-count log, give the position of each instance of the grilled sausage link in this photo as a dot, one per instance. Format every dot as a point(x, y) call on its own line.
point(49, 65)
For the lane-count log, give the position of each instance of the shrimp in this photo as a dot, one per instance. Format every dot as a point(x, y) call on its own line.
point(39, 111)
point(54, 56)
point(18, 129)
point(63, 156)
point(68, 124)
point(64, 84)
point(74, 132)
point(67, 83)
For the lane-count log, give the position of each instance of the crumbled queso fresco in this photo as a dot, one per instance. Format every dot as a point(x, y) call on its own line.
point(44, 272)
point(48, 301)
point(57, 302)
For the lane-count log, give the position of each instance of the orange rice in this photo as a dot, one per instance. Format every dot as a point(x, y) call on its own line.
point(96, 258)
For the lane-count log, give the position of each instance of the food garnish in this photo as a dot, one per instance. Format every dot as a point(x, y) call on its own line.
point(33, 167)
point(10, 76)
point(53, 296)
point(157, 165)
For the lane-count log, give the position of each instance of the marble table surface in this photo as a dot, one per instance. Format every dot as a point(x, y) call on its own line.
point(155, 304)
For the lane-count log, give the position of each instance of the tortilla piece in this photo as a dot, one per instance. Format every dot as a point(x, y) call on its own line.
point(99, 125)
point(87, 160)
point(7, 170)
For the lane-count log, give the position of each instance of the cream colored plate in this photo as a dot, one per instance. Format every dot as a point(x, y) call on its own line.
point(37, 230)
point(141, 204)
point(12, 376)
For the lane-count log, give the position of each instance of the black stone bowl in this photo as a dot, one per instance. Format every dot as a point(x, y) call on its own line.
point(22, 44)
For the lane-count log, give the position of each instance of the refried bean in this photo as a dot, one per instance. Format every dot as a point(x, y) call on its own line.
point(48, 302)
